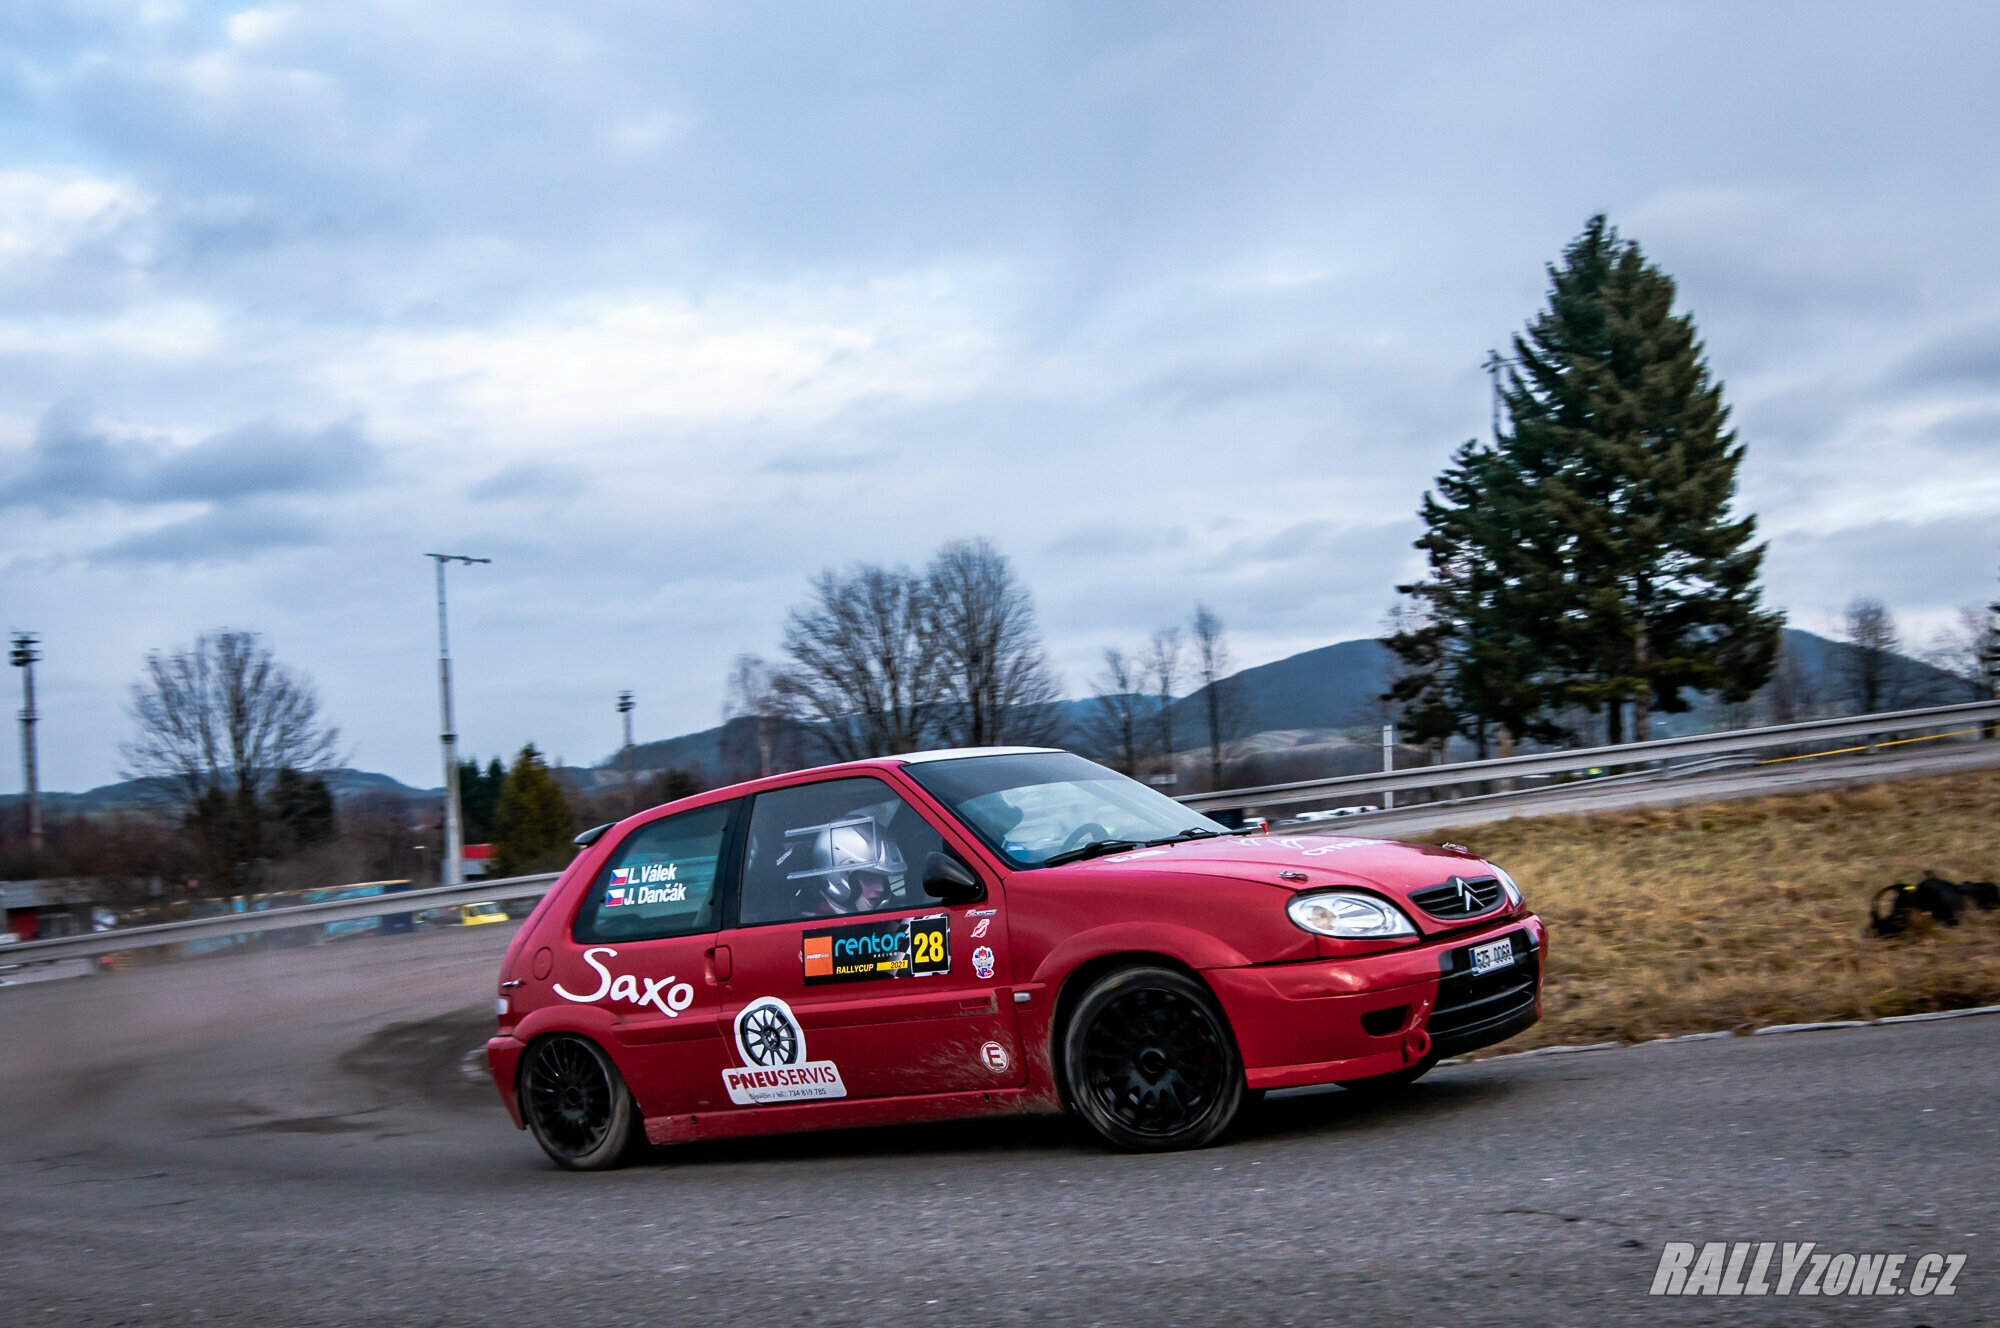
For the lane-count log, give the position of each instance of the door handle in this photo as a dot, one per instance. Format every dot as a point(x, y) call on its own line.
point(719, 965)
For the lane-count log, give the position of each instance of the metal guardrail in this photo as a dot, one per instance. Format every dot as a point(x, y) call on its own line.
point(277, 919)
point(1587, 758)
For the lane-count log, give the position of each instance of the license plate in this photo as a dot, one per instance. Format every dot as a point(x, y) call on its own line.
point(1492, 955)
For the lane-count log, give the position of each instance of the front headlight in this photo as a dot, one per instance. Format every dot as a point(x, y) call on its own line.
point(1507, 884)
point(1348, 916)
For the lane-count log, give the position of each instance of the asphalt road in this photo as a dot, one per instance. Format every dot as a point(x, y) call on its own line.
point(288, 1139)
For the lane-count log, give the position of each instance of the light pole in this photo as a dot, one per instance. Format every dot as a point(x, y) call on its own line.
point(625, 712)
point(23, 657)
point(454, 846)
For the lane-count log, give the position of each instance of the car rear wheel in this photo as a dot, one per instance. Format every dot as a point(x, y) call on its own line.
point(1150, 1061)
point(577, 1105)
point(1393, 1082)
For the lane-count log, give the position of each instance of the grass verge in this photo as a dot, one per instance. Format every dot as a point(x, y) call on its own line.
point(1734, 915)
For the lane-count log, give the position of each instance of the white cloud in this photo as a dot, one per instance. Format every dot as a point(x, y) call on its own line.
point(777, 357)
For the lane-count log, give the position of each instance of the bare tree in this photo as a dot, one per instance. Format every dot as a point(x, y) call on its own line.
point(1790, 694)
point(995, 680)
point(1163, 672)
point(1116, 712)
point(225, 714)
point(216, 723)
point(1967, 651)
point(753, 718)
point(1870, 666)
point(1211, 655)
point(861, 667)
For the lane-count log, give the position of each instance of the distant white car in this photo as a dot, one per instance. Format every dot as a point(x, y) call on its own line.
point(1336, 812)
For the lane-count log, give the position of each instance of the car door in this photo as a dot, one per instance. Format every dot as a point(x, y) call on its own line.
point(641, 948)
point(844, 965)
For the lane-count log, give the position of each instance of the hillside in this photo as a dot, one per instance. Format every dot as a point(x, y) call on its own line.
point(1290, 712)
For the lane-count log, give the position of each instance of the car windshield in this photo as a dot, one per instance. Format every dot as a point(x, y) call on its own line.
point(1033, 807)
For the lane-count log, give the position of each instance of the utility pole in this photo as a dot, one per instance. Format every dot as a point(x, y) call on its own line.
point(631, 794)
point(23, 657)
point(452, 867)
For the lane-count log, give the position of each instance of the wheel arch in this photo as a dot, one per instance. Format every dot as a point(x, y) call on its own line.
point(1078, 980)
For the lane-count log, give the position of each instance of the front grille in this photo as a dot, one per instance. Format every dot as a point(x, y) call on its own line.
point(1479, 1011)
point(1459, 897)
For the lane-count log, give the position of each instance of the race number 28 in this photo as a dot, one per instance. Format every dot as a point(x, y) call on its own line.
point(930, 946)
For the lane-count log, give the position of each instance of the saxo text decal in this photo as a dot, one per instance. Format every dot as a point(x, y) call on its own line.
point(772, 1044)
point(663, 994)
point(900, 948)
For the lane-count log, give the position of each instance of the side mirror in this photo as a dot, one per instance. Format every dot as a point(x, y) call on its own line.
point(950, 880)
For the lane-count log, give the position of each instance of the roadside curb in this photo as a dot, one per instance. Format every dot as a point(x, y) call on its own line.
point(1768, 1029)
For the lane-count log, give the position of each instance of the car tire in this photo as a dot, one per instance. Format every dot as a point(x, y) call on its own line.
point(1378, 1085)
point(577, 1106)
point(1150, 1062)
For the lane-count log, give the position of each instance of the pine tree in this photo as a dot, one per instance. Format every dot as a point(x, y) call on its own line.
point(532, 823)
point(478, 796)
point(303, 808)
point(1590, 557)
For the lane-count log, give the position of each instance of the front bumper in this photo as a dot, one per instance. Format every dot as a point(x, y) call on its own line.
point(1353, 1018)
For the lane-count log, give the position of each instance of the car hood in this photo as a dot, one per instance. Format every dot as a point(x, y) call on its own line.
point(1393, 867)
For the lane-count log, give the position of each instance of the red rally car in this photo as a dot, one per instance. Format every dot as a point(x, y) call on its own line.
point(985, 931)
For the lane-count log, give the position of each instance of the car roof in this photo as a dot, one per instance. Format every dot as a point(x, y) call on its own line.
point(955, 753)
point(744, 788)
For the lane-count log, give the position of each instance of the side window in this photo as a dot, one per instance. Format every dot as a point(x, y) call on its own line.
point(660, 882)
point(843, 847)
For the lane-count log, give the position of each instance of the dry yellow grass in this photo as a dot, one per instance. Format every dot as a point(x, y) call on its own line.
point(1740, 914)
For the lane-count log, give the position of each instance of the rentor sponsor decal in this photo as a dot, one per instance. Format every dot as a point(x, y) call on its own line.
point(898, 948)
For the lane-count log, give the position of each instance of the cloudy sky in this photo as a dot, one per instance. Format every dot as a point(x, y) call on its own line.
point(665, 306)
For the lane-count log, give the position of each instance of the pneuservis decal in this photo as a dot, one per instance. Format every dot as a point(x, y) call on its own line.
point(772, 1043)
point(897, 948)
point(663, 994)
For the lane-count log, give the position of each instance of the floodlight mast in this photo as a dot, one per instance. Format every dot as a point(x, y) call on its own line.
point(23, 656)
point(625, 704)
point(452, 868)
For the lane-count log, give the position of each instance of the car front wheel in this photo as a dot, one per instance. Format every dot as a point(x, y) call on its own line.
point(1150, 1061)
point(577, 1105)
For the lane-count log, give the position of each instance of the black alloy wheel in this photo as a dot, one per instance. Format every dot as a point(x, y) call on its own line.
point(1151, 1063)
point(577, 1105)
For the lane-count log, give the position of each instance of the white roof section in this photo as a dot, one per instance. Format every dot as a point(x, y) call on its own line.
point(954, 753)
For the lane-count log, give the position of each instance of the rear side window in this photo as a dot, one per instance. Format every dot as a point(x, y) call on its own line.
point(827, 850)
point(662, 881)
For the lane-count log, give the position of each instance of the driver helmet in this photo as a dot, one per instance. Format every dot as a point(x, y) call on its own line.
point(854, 866)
